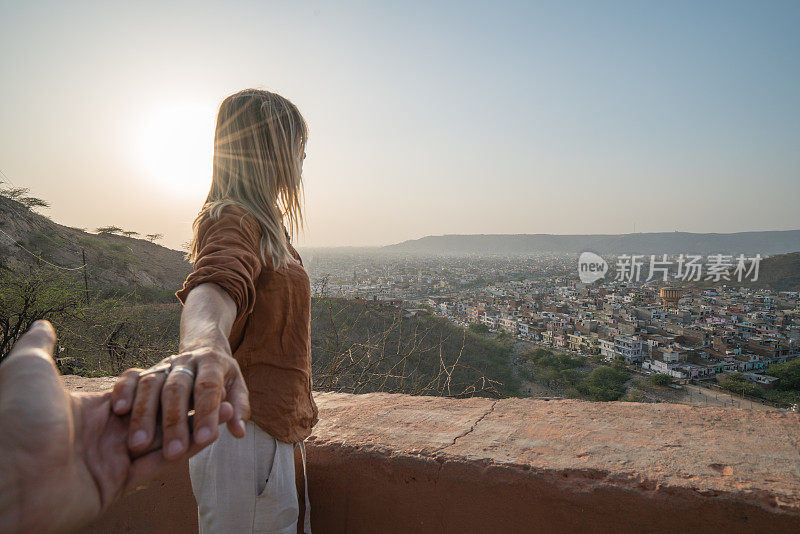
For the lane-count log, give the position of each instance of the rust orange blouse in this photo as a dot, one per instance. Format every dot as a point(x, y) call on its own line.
point(271, 335)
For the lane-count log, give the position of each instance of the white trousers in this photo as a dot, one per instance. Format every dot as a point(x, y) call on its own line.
point(245, 485)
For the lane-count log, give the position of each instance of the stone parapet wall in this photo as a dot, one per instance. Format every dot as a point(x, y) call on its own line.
point(395, 463)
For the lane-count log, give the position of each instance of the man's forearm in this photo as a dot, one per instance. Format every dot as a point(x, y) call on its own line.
point(10, 497)
point(207, 319)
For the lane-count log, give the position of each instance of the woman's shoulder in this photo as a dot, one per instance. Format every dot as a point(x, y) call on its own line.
point(229, 227)
point(294, 253)
point(231, 216)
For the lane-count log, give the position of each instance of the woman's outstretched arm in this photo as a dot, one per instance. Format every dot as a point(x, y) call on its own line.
point(213, 378)
point(207, 319)
point(220, 291)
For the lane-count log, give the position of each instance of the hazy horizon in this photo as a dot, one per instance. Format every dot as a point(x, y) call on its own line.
point(456, 118)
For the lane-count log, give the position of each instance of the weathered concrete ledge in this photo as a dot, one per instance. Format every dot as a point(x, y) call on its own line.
point(428, 464)
point(395, 463)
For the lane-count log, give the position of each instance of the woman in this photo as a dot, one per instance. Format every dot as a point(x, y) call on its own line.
point(248, 298)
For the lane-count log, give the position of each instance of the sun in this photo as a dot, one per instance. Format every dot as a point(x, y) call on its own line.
point(176, 146)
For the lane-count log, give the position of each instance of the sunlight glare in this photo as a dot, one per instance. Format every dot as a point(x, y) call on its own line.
point(176, 147)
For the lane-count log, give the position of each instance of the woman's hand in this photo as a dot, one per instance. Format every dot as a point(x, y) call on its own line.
point(204, 373)
point(64, 456)
point(206, 379)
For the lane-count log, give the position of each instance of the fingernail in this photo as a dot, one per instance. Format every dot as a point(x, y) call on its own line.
point(203, 435)
point(174, 448)
point(120, 405)
point(138, 438)
point(241, 425)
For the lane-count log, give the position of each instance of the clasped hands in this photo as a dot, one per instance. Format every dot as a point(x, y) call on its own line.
point(65, 457)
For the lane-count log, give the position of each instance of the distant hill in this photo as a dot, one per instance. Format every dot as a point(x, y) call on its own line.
point(781, 273)
point(778, 273)
point(112, 260)
point(775, 242)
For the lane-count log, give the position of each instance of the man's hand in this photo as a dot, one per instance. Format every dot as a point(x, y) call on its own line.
point(64, 457)
point(211, 378)
point(204, 371)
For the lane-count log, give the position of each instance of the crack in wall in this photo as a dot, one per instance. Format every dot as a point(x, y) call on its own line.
point(441, 502)
point(471, 429)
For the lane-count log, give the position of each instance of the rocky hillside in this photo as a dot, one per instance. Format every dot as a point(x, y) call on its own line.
point(112, 260)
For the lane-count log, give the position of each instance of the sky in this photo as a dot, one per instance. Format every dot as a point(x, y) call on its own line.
point(426, 118)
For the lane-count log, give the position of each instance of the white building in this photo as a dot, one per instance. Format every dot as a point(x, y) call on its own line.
point(627, 347)
point(509, 324)
point(662, 367)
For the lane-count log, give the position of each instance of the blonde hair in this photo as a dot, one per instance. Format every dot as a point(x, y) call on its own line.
point(259, 147)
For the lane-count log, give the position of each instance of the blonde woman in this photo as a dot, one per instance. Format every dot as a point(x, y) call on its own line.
point(246, 303)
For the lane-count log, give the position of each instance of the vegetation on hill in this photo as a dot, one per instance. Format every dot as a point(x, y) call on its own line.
point(788, 373)
point(785, 393)
point(114, 311)
point(29, 240)
point(102, 331)
point(571, 376)
point(555, 371)
point(20, 194)
point(787, 390)
point(660, 379)
point(605, 383)
point(479, 328)
point(737, 383)
point(362, 347)
point(28, 296)
point(355, 347)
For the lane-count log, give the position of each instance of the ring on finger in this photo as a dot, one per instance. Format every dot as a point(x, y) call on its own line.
point(183, 370)
point(160, 368)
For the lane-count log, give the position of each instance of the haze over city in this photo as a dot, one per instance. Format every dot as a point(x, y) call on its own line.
point(456, 118)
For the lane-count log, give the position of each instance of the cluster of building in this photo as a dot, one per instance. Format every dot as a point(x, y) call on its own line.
point(690, 332)
point(695, 333)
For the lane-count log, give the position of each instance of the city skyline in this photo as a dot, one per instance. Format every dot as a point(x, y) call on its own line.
point(425, 120)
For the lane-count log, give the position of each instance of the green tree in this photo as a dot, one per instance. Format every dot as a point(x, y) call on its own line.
point(660, 379)
point(559, 362)
point(29, 297)
point(557, 371)
point(109, 230)
point(737, 383)
point(789, 373)
point(33, 202)
point(14, 193)
point(479, 328)
point(604, 384)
